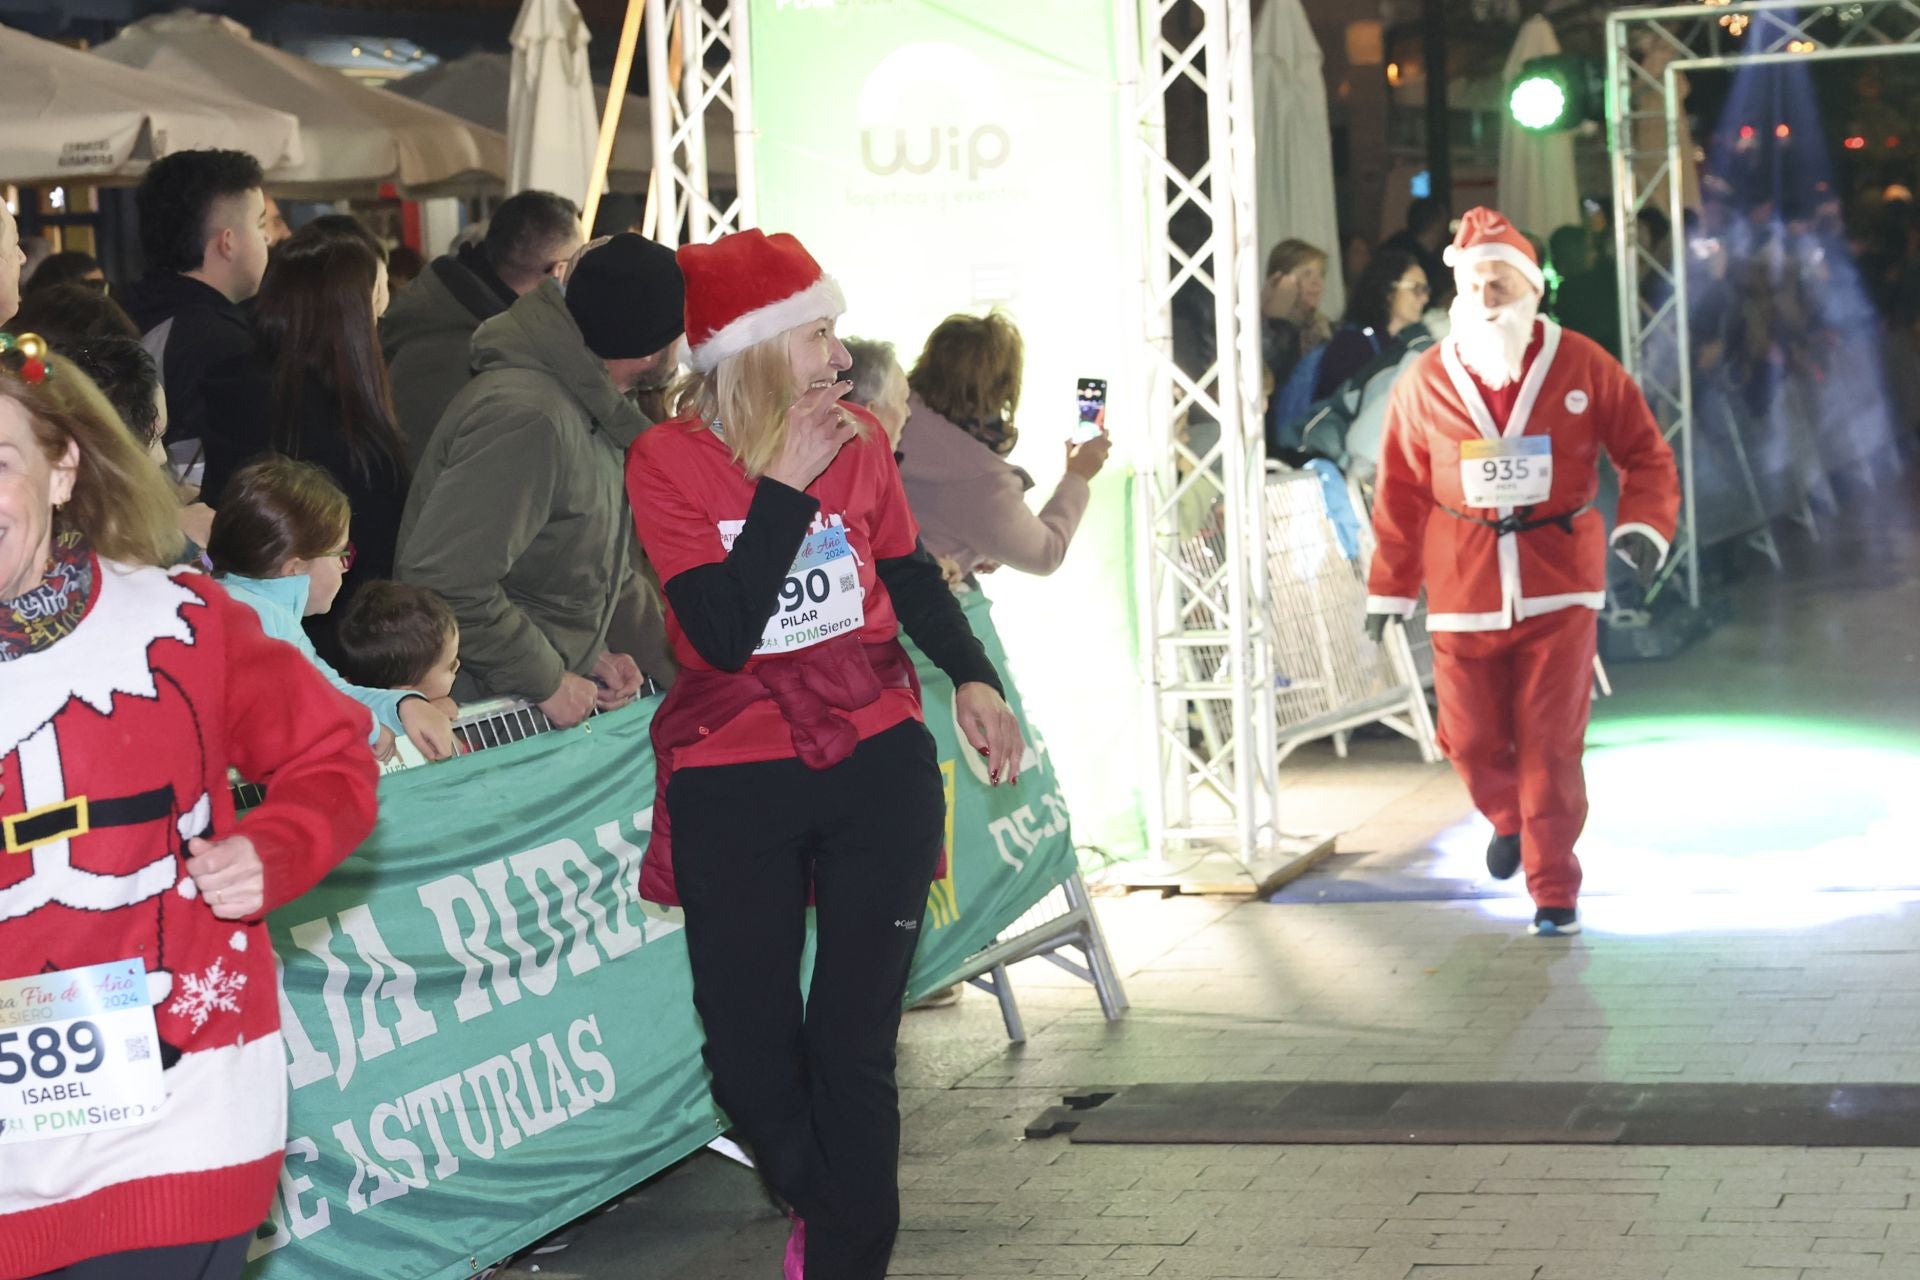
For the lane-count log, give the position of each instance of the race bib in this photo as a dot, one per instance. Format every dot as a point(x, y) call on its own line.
point(821, 598)
point(1507, 473)
point(79, 1053)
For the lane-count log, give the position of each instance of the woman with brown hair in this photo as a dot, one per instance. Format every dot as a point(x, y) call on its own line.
point(1290, 308)
point(316, 389)
point(131, 895)
point(970, 501)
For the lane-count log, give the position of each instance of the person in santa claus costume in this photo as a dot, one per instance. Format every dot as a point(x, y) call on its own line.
point(143, 1096)
point(1485, 495)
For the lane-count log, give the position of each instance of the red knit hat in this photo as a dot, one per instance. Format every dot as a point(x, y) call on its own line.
point(1486, 236)
point(748, 287)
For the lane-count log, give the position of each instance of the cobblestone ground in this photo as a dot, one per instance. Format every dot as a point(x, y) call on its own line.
point(1695, 970)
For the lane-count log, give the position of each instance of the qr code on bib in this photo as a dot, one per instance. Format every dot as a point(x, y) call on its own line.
point(849, 582)
point(139, 1048)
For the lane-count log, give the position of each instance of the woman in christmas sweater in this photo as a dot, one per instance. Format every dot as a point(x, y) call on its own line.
point(142, 1082)
point(792, 757)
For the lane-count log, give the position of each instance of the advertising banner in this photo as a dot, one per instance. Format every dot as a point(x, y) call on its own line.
point(942, 156)
point(488, 1033)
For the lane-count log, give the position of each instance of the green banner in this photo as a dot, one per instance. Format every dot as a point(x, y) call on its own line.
point(488, 1033)
point(940, 156)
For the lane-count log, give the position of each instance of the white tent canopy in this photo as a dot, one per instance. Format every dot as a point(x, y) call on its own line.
point(1294, 141)
point(355, 137)
point(1538, 188)
point(553, 130)
point(475, 88)
point(71, 117)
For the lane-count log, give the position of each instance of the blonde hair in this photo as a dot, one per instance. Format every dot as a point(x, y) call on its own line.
point(747, 396)
point(122, 504)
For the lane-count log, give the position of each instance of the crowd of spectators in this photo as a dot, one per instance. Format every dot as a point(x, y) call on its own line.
point(1808, 297)
point(411, 483)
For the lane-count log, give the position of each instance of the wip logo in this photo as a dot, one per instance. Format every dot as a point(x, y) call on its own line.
point(885, 152)
point(927, 110)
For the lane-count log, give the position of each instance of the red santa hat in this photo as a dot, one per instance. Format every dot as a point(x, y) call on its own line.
point(748, 287)
point(1486, 236)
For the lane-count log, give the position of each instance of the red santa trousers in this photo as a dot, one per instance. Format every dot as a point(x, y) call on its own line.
point(1513, 719)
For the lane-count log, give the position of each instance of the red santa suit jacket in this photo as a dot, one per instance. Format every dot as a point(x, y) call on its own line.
point(163, 684)
point(1478, 579)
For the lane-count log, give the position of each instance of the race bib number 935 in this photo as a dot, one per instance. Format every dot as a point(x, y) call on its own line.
point(1507, 473)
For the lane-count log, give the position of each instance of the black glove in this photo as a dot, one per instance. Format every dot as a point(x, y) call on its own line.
point(1377, 626)
point(1640, 551)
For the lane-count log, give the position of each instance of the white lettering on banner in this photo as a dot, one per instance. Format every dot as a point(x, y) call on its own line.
point(289, 1218)
point(470, 908)
point(497, 1104)
point(1024, 830)
point(390, 979)
point(480, 924)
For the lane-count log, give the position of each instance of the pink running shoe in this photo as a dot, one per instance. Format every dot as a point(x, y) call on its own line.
point(794, 1267)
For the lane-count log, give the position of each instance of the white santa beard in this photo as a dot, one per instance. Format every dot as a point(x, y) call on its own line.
point(1493, 341)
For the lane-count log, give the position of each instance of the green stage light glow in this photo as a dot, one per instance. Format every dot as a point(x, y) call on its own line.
point(1538, 103)
point(1711, 824)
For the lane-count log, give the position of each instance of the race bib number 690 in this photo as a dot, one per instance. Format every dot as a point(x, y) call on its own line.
point(821, 598)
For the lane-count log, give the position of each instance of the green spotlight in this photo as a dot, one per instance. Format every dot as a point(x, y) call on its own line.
point(1538, 103)
point(1556, 92)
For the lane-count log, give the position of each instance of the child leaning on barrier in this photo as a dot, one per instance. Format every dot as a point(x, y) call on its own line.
point(279, 545)
point(395, 635)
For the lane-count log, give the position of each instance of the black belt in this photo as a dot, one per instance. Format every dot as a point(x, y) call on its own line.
point(1523, 520)
point(78, 816)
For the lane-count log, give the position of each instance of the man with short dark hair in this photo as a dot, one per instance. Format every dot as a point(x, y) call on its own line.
point(428, 330)
point(518, 515)
point(203, 227)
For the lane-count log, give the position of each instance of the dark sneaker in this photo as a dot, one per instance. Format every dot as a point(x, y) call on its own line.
point(1554, 922)
point(1503, 857)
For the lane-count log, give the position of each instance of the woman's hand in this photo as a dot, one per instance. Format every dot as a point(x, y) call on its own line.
point(817, 427)
point(1279, 296)
point(427, 728)
point(1086, 460)
point(991, 729)
point(229, 876)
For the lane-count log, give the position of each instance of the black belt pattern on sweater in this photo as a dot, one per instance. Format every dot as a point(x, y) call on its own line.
point(78, 816)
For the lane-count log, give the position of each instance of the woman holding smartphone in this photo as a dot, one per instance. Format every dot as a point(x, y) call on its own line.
point(792, 759)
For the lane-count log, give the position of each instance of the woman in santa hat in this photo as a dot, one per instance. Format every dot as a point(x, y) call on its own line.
point(793, 761)
point(143, 1095)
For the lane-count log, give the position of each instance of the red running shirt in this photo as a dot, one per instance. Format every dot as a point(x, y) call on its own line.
point(690, 499)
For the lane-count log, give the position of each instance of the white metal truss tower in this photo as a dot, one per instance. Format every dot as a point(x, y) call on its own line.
point(1199, 549)
point(714, 75)
point(1648, 50)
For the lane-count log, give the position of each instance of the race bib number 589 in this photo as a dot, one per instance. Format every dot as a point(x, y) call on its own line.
point(79, 1053)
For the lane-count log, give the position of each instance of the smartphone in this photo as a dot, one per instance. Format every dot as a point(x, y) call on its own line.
point(1093, 402)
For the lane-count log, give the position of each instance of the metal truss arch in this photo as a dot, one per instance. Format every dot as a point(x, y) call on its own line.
point(1648, 51)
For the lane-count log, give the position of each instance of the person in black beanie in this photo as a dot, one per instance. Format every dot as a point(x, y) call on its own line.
point(518, 516)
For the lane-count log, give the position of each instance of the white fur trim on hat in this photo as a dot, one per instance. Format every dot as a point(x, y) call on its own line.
point(1494, 251)
point(821, 300)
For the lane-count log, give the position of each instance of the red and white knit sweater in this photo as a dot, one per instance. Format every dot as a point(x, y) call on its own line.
point(164, 684)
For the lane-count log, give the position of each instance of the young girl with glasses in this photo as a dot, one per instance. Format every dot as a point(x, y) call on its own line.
point(279, 545)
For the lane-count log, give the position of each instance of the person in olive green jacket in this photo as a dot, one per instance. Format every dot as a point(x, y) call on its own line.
point(518, 515)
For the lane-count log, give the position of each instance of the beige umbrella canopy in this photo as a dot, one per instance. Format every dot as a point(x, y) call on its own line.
point(73, 118)
point(355, 137)
point(475, 88)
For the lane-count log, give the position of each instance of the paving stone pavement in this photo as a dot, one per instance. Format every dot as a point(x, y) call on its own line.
point(1728, 987)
